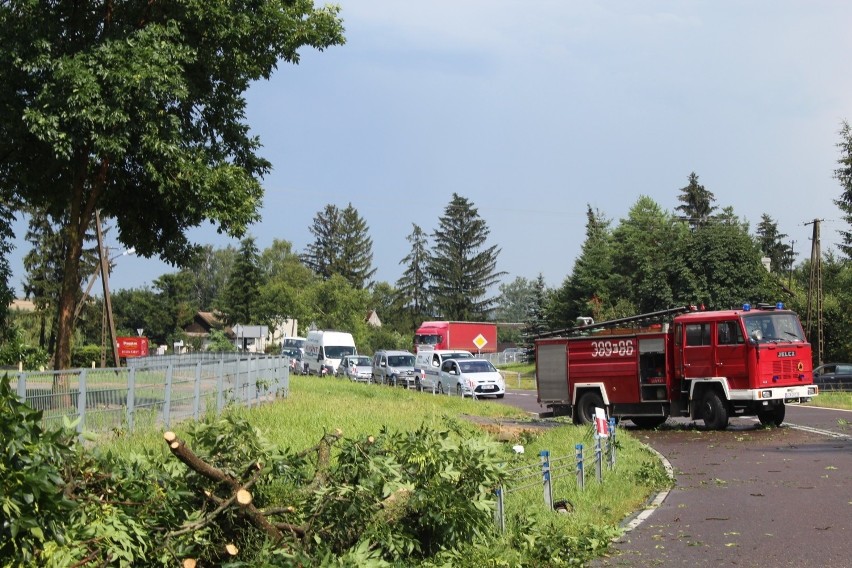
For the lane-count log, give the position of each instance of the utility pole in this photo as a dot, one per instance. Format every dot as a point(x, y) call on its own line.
point(792, 259)
point(814, 318)
point(104, 256)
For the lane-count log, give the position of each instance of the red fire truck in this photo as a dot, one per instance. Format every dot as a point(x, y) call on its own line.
point(707, 365)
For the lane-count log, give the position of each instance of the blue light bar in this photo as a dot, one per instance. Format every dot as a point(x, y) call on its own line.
point(779, 306)
point(746, 307)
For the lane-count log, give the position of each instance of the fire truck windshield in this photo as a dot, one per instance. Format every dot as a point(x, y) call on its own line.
point(773, 327)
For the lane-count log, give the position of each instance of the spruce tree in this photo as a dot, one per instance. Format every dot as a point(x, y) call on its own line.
point(412, 286)
point(461, 268)
point(590, 281)
point(355, 262)
point(536, 321)
point(243, 285)
point(780, 254)
point(341, 246)
point(843, 174)
point(697, 202)
point(322, 254)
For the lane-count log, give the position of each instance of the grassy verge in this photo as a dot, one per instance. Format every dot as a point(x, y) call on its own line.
point(833, 399)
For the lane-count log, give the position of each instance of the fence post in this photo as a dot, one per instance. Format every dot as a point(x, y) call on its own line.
point(220, 386)
point(167, 399)
point(581, 476)
point(500, 512)
point(598, 459)
point(519, 380)
point(131, 397)
point(81, 402)
point(22, 387)
point(196, 399)
point(545, 473)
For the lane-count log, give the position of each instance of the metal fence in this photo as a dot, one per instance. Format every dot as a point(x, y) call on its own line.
point(157, 391)
point(551, 468)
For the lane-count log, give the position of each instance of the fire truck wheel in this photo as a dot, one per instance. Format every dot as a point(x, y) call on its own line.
point(713, 411)
point(586, 407)
point(773, 416)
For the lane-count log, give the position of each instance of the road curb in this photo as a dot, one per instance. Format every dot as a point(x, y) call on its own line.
point(654, 501)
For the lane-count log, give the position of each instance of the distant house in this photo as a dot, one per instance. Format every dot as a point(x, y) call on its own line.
point(373, 319)
point(202, 324)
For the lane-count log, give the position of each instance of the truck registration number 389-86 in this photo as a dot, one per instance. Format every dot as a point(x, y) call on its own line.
point(623, 348)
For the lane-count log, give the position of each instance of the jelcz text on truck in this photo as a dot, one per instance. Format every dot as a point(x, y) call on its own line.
point(707, 365)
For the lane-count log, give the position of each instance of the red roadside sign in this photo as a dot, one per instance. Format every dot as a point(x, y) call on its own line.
point(132, 346)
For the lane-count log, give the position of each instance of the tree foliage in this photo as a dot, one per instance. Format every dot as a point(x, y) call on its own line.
point(461, 267)
point(696, 202)
point(589, 285)
point(843, 174)
point(137, 110)
point(341, 246)
point(238, 303)
point(413, 284)
point(772, 244)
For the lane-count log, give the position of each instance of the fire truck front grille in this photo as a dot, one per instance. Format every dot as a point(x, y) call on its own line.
point(785, 368)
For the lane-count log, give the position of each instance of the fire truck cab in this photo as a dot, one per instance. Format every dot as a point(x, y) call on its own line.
point(707, 365)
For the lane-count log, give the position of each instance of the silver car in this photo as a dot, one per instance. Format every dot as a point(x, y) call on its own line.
point(355, 368)
point(394, 368)
point(472, 377)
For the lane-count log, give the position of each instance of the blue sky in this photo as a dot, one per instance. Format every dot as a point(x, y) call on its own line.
point(533, 109)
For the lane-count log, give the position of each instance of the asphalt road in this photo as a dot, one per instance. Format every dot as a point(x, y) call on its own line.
point(748, 496)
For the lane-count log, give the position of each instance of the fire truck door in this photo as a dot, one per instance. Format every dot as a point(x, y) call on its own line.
point(698, 351)
point(731, 354)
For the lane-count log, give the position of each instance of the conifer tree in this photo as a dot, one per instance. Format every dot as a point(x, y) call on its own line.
point(843, 174)
point(696, 202)
point(341, 246)
point(243, 285)
point(356, 259)
point(780, 254)
point(461, 267)
point(412, 286)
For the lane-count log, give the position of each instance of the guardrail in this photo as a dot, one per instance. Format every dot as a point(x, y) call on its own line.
point(152, 390)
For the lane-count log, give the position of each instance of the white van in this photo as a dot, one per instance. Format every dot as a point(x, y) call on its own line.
point(427, 367)
point(325, 349)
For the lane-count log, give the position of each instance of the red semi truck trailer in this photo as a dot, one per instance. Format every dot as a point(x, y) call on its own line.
point(707, 365)
point(476, 337)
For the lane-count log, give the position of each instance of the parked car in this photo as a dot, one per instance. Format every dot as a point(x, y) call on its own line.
point(295, 359)
point(427, 367)
point(394, 368)
point(472, 377)
point(355, 368)
point(834, 376)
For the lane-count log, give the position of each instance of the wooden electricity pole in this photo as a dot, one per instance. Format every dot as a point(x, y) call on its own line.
point(104, 256)
point(814, 318)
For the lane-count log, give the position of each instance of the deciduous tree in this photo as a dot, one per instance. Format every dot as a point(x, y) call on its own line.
point(138, 110)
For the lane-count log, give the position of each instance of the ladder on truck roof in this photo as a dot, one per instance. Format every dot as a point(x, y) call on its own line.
point(642, 319)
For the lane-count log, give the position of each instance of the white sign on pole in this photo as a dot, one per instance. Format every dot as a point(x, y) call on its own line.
point(601, 423)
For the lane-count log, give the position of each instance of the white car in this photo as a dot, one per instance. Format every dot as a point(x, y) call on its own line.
point(472, 377)
point(355, 368)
